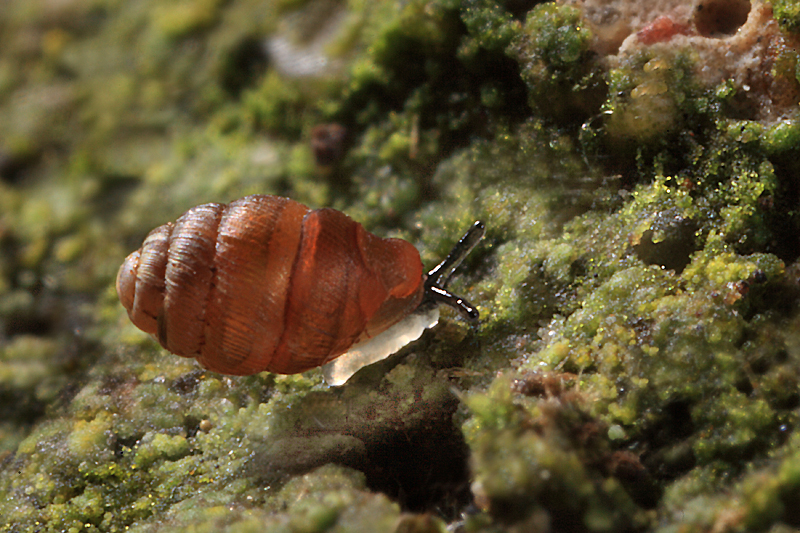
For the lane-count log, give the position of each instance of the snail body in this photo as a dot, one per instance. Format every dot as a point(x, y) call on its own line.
point(267, 284)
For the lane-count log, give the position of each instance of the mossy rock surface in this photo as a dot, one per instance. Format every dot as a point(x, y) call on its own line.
point(636, 366)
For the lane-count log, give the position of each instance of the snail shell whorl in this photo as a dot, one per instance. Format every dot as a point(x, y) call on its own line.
point(264, 283)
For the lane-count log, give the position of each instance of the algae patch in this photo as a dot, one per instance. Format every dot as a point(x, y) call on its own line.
point(636, 367)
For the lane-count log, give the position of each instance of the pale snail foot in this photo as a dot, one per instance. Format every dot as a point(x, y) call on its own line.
point(380, 346)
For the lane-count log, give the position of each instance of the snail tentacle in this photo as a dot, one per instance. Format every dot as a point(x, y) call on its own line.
point(436, 282)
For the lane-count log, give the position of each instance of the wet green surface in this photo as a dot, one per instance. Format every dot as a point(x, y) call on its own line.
point(637, 362)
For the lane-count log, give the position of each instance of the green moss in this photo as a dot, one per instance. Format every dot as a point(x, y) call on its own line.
point(739, 426)
point(787, 13)
point(25, 363)
point(277, 104)
point(525, 461)
point(489, 23)
point(88, 437)
point(339, 491)
point(157, 445)
point(553, 52)
point(420, 87)
point(782, 136)
point(636, 284)
point(186, 17)
point(648, 95)
point(559, 39)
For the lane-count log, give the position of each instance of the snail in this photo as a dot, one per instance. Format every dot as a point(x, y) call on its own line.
point(267, 284)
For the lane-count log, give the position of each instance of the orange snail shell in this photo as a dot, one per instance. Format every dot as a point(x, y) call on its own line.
point(264, 283)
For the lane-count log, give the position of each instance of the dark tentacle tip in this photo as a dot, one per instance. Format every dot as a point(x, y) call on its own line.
point(436, 283)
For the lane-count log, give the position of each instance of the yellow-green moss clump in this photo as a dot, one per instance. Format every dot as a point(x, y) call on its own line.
point(559, 469)
point(787, 13)
point(637, 362)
